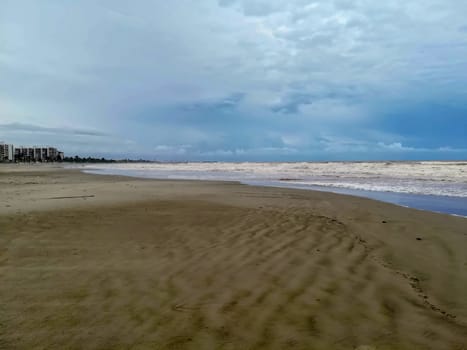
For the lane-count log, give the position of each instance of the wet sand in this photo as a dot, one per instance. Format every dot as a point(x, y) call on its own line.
point(107, 262)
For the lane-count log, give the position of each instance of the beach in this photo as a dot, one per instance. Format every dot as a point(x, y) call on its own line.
point(112, 262)
point(438, 186)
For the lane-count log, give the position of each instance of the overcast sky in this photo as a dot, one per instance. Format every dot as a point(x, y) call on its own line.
point(236, 79)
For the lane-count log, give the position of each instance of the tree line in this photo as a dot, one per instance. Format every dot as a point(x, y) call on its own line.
point(78, 159)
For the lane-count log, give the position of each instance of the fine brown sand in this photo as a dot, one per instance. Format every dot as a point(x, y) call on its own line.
point(100, 262)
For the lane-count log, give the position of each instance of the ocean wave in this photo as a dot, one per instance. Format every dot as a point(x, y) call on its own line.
point(429, 178)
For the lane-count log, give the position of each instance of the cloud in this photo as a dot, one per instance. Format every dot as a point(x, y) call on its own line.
point(335, 144)
point(254, 8)
point(31, 128)
point(292, 103)
point(345, 145)
point(450, 149)
point(236, 74)
point(171, 150)
point(399, 147)
point(227, 103)
point(187, 152)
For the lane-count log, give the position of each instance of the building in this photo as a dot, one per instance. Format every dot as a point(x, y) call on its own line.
point(23, 154)
point(37, 154)
point(9, 153)
point(6, 152)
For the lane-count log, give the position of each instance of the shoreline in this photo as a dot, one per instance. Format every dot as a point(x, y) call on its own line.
point(115, 261)
point(257, 184)
point(374, 195)
point(453, 205)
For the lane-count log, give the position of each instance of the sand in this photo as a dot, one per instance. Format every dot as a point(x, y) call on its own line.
point(100, 262)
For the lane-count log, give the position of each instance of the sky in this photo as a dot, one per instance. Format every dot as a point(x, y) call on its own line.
point(236, 80)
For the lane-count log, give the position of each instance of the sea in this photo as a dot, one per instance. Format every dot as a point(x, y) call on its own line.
point(425, 185)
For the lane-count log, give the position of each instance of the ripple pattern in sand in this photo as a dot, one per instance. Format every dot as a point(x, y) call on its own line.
point(193, 275)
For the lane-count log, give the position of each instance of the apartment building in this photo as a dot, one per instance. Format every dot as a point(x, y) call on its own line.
point(9, 153)
point(6, 152)
point(37, 154)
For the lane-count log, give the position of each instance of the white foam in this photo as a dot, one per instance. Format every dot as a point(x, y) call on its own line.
point(432, 178)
